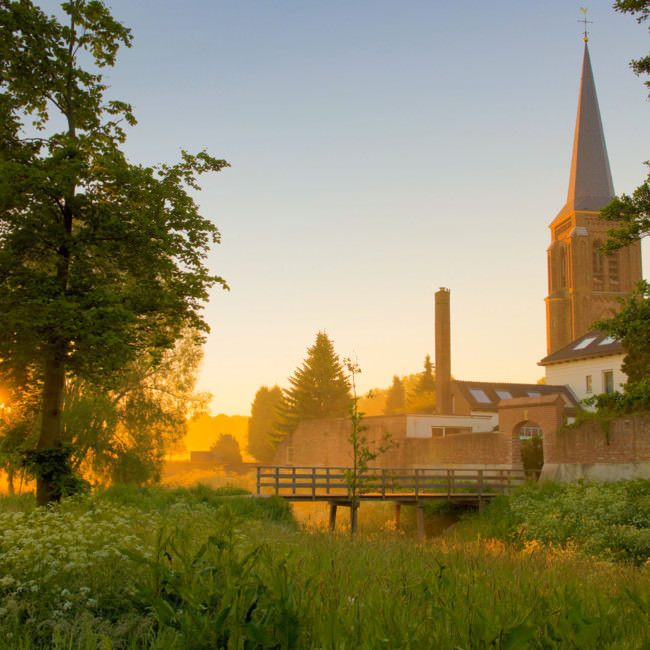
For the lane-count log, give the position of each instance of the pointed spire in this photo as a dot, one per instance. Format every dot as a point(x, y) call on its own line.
point(590, 185)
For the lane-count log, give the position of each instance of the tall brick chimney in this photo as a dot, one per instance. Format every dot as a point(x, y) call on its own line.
point(443, 352)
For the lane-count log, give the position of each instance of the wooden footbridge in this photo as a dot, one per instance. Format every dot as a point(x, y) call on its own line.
point(402, 486)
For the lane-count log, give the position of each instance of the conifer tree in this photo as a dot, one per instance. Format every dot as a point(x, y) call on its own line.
point(263, 421)
point(423, 397)
point(319, 388)
point(396, 398)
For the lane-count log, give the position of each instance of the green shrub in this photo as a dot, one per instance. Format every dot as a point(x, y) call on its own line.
point(610, 520)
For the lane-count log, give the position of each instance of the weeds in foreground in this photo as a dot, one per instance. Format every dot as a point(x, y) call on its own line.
point(610, 520)
point(96, 573)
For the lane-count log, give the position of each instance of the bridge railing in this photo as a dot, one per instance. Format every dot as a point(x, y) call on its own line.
point(319, 483)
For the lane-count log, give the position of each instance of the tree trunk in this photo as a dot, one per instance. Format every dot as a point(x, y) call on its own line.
point(47, 489)
point(10, 481)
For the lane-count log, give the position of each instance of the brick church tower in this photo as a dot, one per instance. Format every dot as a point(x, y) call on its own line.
point(582, 284)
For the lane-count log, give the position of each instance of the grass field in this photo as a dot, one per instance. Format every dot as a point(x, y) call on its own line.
point(202, 568)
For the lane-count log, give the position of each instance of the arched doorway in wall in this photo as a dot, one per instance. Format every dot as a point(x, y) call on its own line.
point(531, 445)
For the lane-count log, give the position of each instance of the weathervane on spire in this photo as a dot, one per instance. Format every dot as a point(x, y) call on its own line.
point(585, 21)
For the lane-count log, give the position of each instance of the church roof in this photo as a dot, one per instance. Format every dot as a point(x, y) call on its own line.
point(590, 183)
point(588, 346)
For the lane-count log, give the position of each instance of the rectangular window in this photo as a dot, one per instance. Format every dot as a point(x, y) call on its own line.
point(289, 454)
point(588, 384)
point(608, 381)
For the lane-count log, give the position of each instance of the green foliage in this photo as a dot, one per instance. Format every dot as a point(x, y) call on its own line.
point(631, 326)
point(422, 398)
point(532, 453)
point(632, 216)
point(319, 389)
point(363, 452)
point(609, 520)
point(632, 213)
point(122, 434)
point(54, 465)
point(216, 596)
point(642, 10)
point(138, 571)
point(396, 397)
point(100, 259)
point(226, 450)
point(634, 400)
point(165, 500)
point(263, 421)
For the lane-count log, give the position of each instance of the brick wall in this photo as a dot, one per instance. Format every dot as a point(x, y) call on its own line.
point(628, 441)
point(325, 443)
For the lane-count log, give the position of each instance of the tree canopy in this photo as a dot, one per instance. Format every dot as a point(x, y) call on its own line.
point(101, 260)
point(640, 9)
point(319, 388)
point(631, 213)
point(422, 399)
point(262, 423)
point(631, 326)
point(396, 397)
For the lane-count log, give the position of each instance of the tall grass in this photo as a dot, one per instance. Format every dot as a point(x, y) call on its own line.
point(193, 569)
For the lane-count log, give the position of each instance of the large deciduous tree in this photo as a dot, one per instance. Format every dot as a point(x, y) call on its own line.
point(122, 434)
point(319, 388)
point(100, 259)
point(631, 326)
point(631, 213)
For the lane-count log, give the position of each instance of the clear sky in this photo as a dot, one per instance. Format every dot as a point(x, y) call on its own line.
point(379, 150)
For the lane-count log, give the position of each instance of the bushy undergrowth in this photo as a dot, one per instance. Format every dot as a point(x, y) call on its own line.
point(183, 570)
point(608, 520)
point(238, 500)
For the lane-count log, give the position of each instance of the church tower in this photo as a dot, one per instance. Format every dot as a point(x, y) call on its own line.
point(583, 285)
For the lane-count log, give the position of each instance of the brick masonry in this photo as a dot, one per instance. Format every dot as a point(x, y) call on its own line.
point(584, 452)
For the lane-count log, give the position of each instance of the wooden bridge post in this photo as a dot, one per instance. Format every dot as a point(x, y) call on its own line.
point(419, 518)
point(259, 480)
point(293, 483)
point(332, 516)
point(277, 480)
point(313, 483)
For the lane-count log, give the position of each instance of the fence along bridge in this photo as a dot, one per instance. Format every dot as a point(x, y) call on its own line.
point(402, 486)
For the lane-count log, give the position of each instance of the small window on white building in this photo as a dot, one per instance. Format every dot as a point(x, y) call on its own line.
point(608, 381)
point(589, 386)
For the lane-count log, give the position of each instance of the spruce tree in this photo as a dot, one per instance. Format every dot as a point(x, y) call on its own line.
point(423, 397)
point(396, 398)
point(263, 420)
point(319, 388)
point(427, 381)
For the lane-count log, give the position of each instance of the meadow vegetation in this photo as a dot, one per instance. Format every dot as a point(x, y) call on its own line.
point(203, 568)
